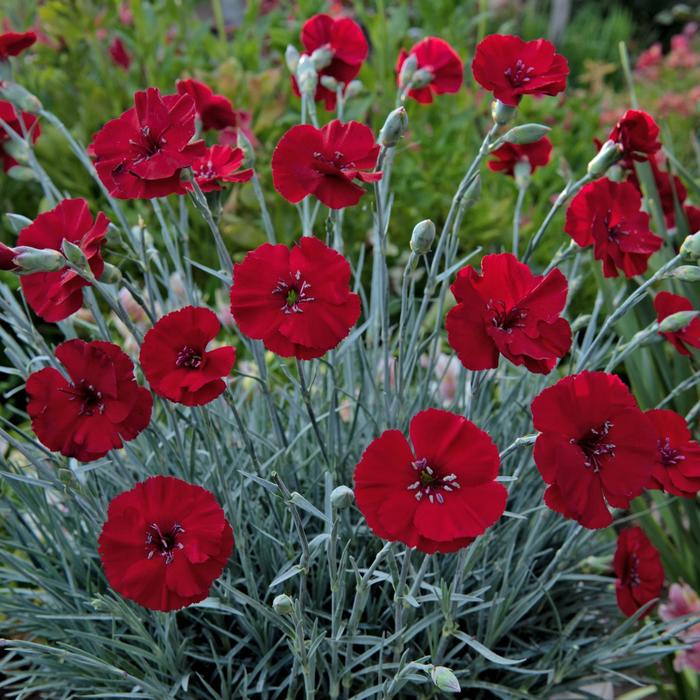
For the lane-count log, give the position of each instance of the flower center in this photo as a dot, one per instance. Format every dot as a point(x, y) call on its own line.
point(90, 398)
point(431, 484)
point(188, 358)
point(669, 456)
point(595, 446)
point(148, 144)
point(206, 171)
point(506, 319)
point(519, 74)
point(295, 294)
point(630, 575)
point(163, 542)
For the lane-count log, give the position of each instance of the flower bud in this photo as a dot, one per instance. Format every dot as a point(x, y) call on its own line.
point(19, 97)
point(521, 172)
point(22, 173)
point(329, 82)
point(243, 142)
point(422, 237)
point(17, 150)
point(111, 274)
point(291, 56)
point(687, 273)
point(502, 113)
point(526, 133)
point(407, 70)
point(307, 77)
point(283, 604)
point(30, 259)
point(74, 254)
point(472, 194)
point(7, 258)
point(609, 153)
point(322, 58)
point(342, 497)
point(690, 248)
point(444, 679)
point(394, 127)
point(422, 77)
point(353, 89)
point(678, 321)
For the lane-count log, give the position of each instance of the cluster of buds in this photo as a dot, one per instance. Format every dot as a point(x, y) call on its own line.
point(411, 77)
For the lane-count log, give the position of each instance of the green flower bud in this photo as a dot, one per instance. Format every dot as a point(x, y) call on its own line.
point(74, 254)
point(472, 194)
point(283, 604)
point(690, 248)
point(307, 77)
point(422, 237)
point(687, 273)
point(342, 497)
point(444, 679)
point(111, 274)
point(243, 142)
point(407, 70)
point(291, 57)
point(329, 82)
point(19, 97)
point(353, 89)
point(527, 133)
point(607, 156)
point(521, 172)
point(30, 259)
point(394, 127)
point(322, 58)
point(22, 173)
point(502, 113)
point(678, 321)
point(422, 77)
point(17, 149)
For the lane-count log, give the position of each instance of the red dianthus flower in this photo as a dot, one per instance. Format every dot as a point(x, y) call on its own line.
point(118, 53)
point(667, 304)
point(96, 410)
point(24, 122)
point(219, 165)
point(638, 135)
point(298, 301)
point(536, 154)
point(13, 43)
point(164, 543)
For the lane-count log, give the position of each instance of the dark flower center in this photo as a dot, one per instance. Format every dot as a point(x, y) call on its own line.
point(504, 318)
point(295, 294)
point(148, 143)
point(206, 171)
point(519, 74)
point(91, 401)
point(669, 456)
point(595, 446)
point(630, 574)
point(617, 231)
point(189, 358)
point(430, 484)
point(163, 542)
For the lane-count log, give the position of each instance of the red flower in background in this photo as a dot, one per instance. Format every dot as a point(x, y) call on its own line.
point(13, 43)
point(99, 409)
point(692, 215)
point(438, 496)
point(142, 153)
point(347, 45)
point(638, 135)
point(507, 310)
point(176, 362)
point(220, 165)
point(595, 448)
point(164, 543)
point(437, 57)
point(608, 215)
point(7, 258)
point(56, 295)
point(118, 53)
point(506, 156)
point(25, 122)
point(509, 67)
point(667, 304)
point(298, 301)
point(639, 572)
point(325, 162)
point(677, 466)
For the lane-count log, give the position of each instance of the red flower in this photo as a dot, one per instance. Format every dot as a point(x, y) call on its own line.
point(7, 258)
point(325, 162)
point(175, 360)
point(347, 45)
point(164, 543)
point(142, 154)
point(214, 111)
point(219, 165)
point(536, 154)
point(438, 496)
point(692, 214)
point(677, 466)
point(510, 311)
point(608, 216)
point(13, 43)
point(24, 122)
point(56, 295)
point(438, 58)
point(595, 446)
point(639, 572)
point(638, 135)
point(298, 301)
point(99, 409)
point(118, 53)
point(667, 304)
point(510, 68)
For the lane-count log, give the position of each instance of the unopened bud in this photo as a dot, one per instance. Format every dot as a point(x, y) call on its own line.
point(111, 274)
point(30, 259)
point(616, 173)
point(678, 321)
point(422, 77)
point(422, 237)
point(283, 604)
point(74, 254)
point(307, 77)
point(502, 113)
point(609, 153)
point(521, 172)
point(687, 273)
point(291, 56)
point(342, 497)
point(526, 133)
point(407, 70)
point(322, 58)
point(472, 194)
point(394, 127)
point(22, 173)
point(19, 97)
point(353, 89)
point(7, 258)
point(329, 82)
point(690, 248)
point(445, 679)
point(17, 150)
point(246, 146)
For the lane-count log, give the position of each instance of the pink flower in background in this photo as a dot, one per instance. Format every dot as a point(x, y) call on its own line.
point(682, 55)
point(649, 61)
point(683, 601)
